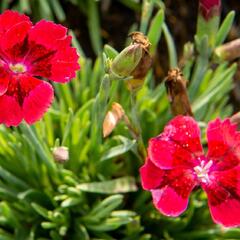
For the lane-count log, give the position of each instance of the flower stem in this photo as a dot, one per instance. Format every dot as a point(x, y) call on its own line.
point(136, 127)
point(99, 111)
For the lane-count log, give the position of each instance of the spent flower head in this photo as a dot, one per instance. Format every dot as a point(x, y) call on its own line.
point(134, 61)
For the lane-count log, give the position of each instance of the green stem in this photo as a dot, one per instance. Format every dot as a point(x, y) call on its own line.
point(137, 127)
point(198, 74)
point(99, 112)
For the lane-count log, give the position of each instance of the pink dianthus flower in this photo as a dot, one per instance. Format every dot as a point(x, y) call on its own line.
point(176, 164)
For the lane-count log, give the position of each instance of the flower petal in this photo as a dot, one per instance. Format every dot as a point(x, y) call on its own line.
point(178, 145)
point(49, 35)
point(171, 197)
point(151, 176)
point(10, 18)
point(227, 213)
point(13, 41)
point(223, 144)
point(224, 197)
point(168, 202)
point(11, 112)
point(50, 54)
point(64, 65)
point(4, 80)
point(39, 98)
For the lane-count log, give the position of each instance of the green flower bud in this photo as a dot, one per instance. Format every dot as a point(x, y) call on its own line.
point(208, 19)
point(209, 8)
point(126, 61)
point(133, 63)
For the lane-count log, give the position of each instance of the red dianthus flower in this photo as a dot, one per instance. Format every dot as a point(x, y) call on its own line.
point(176, 164)
point(28, 51)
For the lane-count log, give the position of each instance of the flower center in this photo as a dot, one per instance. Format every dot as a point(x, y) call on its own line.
point(17, 68)
point(202, 170)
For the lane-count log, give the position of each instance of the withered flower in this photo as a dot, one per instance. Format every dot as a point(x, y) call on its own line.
point(134, 61)
point(177, 93)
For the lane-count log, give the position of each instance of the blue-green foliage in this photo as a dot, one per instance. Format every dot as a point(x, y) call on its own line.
point(97, 194)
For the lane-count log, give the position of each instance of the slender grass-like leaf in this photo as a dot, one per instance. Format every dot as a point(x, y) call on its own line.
point(25, 6)
point(171, 46)
point(58, 10)
point(29, 131)
point(105, 207)
point(132, 4)
point(155, 30)
point(147, 8)
point(118, 150)
point(45, 9)
point(76, 44)
point(120, 185)
point(94, 26)
point(110, 51)
point(224, 28)
point(110, 224)
point(11, 179)
point(41, 211)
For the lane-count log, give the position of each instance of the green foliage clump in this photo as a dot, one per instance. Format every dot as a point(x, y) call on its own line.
point(97, 193)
